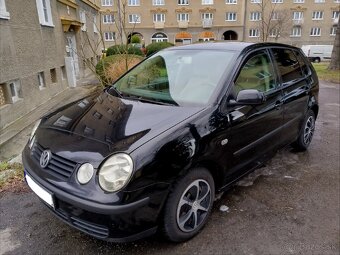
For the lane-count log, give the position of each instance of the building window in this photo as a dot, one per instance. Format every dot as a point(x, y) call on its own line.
point(299, 1)
point(159, 17)
point(296, 31)
point(230, 16)
point(15, 90)
point(254, 32)
point(335, 14)
point(230, 1)
point(275, 16)
point(82, 16)
point(159, 37)
point(53, 73)
point(134, 3)
point(63, 73)
point(207, 16)
point(205, 2)
point(274, 32)
point(3, 100)
point(255, 16)
point(183, 2)
point(134, 18)
point(337, 1)
point(277, 1)
point(4, 14)
point(109, 36)
point(108, 19)
point(297, 15)
point(95, 27)
point(183, 17)
point(158, 2)
point(333, 30)
point(41, 80)
point(44, 12)
point(107, 2)
point(256, 1)
point(319, 1)
point(315, 31)
point(317, 15)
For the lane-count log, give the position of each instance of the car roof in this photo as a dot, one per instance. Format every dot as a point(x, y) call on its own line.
point(233, 46)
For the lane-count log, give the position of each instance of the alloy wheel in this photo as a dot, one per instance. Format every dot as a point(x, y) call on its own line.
point(309, 130)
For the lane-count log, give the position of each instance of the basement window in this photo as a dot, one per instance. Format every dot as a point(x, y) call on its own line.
point(53, 73)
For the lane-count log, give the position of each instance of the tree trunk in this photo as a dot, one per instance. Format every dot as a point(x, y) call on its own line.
point(335, 58)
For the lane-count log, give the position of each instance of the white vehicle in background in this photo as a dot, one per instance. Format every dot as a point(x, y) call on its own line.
point(317, 53)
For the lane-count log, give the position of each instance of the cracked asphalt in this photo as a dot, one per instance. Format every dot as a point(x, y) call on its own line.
point(290, 206)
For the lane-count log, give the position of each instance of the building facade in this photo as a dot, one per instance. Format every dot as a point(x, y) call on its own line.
point(40, 43)
point(295, 22)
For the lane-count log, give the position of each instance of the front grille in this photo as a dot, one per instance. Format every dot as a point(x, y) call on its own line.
point(90, 228)
point(59, 167)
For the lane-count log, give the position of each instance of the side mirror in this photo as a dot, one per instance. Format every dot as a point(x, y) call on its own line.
point(248, 97)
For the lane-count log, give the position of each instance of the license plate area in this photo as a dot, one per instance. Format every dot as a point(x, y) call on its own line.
point(46, 196)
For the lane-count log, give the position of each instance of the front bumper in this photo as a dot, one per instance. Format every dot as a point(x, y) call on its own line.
point(117, 223)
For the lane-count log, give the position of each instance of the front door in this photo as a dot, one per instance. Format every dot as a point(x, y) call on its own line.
point(72, 51)
point(255, 129)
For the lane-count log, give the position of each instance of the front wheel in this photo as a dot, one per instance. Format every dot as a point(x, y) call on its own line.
point(306, 132)
point(189, 205)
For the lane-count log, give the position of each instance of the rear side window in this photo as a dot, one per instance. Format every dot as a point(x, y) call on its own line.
point(288, 65)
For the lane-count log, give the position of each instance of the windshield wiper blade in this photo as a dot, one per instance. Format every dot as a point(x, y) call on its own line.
point(143, 99)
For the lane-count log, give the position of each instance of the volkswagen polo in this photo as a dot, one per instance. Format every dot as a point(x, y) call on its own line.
point(150, 152)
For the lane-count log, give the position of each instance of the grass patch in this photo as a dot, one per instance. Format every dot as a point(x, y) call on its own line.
point(327, 75)
point(11, 175)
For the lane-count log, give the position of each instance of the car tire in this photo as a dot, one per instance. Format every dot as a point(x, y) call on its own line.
point(317, 60)
point(188, 205)
point(306, 132)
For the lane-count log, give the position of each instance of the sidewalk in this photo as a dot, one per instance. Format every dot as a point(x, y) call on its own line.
point(64, 97)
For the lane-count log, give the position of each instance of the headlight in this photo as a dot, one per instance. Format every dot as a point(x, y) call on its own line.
point(115, 172)
point(85, 173)
point(36, 125)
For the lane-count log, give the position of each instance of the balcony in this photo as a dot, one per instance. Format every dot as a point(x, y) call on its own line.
point(183, 24)
point(158, 24)
point(297, 22)
point(335, 21)
point(207, 23)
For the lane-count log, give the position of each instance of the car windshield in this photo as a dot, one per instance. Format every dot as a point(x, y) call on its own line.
point(177, 77)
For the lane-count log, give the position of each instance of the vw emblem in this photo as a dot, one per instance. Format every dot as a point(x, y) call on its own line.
point(45, 158)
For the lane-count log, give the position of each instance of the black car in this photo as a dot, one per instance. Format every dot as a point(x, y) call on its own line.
point(151, 151)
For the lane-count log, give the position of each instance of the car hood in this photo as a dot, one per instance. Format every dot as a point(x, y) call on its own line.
point(102, 124)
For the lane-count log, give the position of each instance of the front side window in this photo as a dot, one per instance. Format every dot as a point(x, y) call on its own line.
point(134, 18)
point(230, 16)
point(183, 17)
point(178, 77)
point(158, 2)
point(315, 31)
point(183, 2)
point(44, 12)
point(317, 15)
point(288, 65)
point(134, 3)
point(257, 73)
point(159, 17)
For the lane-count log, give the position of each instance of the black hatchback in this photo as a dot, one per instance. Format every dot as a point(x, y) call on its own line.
point(151, 151)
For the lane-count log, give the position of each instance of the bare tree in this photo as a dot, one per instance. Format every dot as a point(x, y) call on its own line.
point(335, 58)
point(274, 21)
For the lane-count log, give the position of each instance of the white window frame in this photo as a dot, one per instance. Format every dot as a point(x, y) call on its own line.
point(14, 87)
point(254, 33)
point(95, 27)
point(183, 2)
point(4, 14)
point(335, 14)
point(109, 36)
point(158, 17)
point(82, 17)
point(108, 18)
point(315, 31)
point(275, 16)
point(277, 1)
point(255, 16)
point(319, 1)
point(255, 1)
point(158, 2)
point(230, 1)
point(183, 17)
point(317, 15)
point(231, 16)
point(207, 15)
point(207, 2)
point(134, 18)
point(296, 31)
point(299, 1)
point(273, 33)
point(107, 2)
point(337, 1)
point(134, 3)
point(41, 80)
point(45, 13)
point(333, 31)
point(297, 15)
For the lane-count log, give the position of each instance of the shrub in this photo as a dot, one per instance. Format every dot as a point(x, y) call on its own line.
point(121, 49)
point(135, 39)
point(157, 46)
point(112, 67)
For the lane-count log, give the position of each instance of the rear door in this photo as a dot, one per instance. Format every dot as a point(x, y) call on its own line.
point(296, 82)
point(255, 129)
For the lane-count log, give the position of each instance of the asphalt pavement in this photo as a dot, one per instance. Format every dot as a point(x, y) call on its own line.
point(290, 206)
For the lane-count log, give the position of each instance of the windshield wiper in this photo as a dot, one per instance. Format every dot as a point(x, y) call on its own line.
point(143, 99)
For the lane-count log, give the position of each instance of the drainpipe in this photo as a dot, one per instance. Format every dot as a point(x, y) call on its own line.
point(245, 19)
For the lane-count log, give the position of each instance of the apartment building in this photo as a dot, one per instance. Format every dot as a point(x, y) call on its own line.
point(294, 22)
point(42, 51)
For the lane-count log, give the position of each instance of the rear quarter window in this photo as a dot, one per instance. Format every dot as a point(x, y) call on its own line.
point(288, 65)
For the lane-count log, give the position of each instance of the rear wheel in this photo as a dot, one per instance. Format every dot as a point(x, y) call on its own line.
point(306, 132)
point(189, 205)
point(317, 60)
